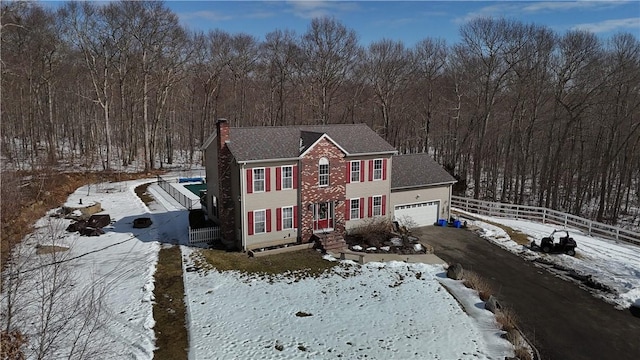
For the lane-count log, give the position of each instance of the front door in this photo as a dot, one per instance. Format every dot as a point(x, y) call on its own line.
point(323, 216)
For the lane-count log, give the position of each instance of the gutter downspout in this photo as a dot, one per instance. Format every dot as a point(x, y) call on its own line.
point(449, 205)
point(243, 227)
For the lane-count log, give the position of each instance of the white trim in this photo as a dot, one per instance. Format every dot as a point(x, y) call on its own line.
point(253, 179)
point(373, 205)
point(282, 218)
point(413, 187)
point(351, 209)
point(351, 162)
point(320, 175)
point(255, 232)
point(282, 177)
point(324, 136)
point(373, 171)
point(209, 140)
point(244, 229)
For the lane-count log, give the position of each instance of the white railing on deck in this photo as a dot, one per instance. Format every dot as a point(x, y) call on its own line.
point(546, 216)
point(202, 235)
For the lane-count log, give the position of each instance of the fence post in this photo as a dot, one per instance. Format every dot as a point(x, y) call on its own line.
point(617, 234)
point(544, 216)
point(590, 224)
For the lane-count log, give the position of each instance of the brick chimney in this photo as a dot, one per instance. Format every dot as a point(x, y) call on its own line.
point(226, 202)
point(222, 128)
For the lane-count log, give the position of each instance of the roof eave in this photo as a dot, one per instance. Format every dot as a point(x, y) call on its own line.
point(208, 142)
point(266, 160)
point(324, 136)
point(423, 185)
point(390, 152)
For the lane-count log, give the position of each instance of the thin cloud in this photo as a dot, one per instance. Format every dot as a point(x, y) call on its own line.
point(558, 6)
point(610, 25)
point(546, 6)
point(497, 10)
point(513, 9)
point(314, 9)
point(204, 15)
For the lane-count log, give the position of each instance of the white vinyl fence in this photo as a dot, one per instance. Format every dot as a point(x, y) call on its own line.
point(203, 235)
point(546, 216)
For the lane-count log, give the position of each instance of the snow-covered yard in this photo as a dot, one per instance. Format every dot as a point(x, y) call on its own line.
point(613, 264)
point(118, 266)
point(390, 310)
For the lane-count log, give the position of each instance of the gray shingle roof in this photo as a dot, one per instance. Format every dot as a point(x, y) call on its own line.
point(283, 142)
point(414, 170)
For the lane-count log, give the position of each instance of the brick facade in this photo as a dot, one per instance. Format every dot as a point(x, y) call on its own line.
point(311, 193)
point(225, 201)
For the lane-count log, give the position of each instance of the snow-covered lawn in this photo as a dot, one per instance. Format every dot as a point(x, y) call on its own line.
point(380, 310)
point(389, 310)
point(614, 264)
point(119, 264)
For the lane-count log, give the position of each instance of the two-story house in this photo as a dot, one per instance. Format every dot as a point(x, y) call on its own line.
point(269, 186)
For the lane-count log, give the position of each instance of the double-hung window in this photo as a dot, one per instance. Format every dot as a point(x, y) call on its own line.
point(259, 222)
point(258, 180)
point(287, 218)
point(377, 205)
point(287, 177)
point(355, 171)
point(355, 209)
point(377, 169)
point(323, 172)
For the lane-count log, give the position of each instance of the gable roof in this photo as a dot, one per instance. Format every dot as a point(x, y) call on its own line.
point(283, 142)
point(416, 170)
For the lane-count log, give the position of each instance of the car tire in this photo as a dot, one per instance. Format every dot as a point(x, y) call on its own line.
point(571, 252)
point(546, 249)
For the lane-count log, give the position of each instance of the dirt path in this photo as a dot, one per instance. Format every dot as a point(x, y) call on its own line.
point(563, 321)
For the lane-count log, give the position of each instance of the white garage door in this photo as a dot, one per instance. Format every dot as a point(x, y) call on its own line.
point(422, 214)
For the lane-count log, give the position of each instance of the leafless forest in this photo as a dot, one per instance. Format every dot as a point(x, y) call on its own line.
point(518, 112)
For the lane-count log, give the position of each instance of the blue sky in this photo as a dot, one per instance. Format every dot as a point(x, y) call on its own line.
point(409, 21)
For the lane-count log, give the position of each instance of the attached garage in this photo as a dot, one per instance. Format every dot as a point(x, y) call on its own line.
point(420, 190)
point(420, 214)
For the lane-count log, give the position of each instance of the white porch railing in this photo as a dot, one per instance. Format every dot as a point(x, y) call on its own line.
point(197, 236)
point(544, 215)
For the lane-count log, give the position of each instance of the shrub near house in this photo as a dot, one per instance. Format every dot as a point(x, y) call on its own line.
point(269, 186)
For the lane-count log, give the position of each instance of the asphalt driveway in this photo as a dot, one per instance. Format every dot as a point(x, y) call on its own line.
point(562, 320)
